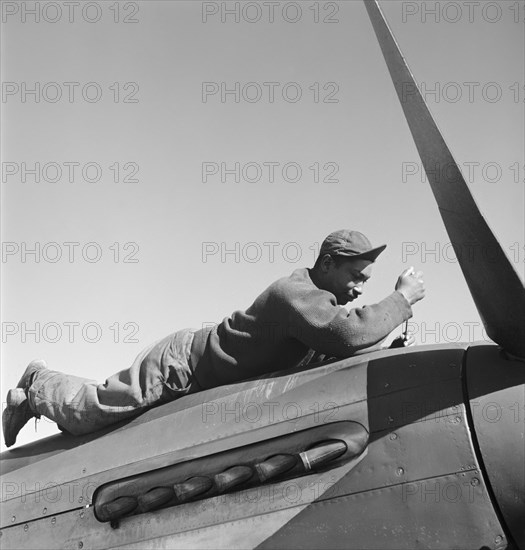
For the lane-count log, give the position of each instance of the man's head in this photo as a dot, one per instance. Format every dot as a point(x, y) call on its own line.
point(345, 264)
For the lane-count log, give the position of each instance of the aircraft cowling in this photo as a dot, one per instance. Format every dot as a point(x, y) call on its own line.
point(496, 392)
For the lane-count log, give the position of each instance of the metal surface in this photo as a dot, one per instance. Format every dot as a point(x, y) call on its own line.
point(480, 256)
point(419, 515)
point(209, 422)
point(418, 484)
point(237, 465)
point(496, 390)
point(440, 512)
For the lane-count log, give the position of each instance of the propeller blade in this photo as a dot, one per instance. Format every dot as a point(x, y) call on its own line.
point(497, 290)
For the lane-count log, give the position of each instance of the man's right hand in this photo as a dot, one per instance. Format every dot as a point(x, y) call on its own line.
point(410, 285)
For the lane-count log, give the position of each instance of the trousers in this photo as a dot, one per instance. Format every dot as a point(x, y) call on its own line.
point(160, 373)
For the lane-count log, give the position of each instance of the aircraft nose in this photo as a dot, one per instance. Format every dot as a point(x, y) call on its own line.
point(496, 391)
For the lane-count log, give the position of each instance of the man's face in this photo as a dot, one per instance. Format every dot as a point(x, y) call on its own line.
point(346, 281)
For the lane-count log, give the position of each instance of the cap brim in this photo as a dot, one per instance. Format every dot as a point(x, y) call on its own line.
point(370, 255)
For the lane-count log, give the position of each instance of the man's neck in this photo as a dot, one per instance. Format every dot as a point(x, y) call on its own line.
point(314, 276)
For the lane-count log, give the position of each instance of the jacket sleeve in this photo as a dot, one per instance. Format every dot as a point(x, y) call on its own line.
point(321, 324)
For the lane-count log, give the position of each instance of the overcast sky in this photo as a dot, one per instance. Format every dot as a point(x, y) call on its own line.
point(166, 161)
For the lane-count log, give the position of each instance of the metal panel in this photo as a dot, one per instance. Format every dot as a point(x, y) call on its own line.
point(451, 511)
point(256, 411)
point(496, 389)
point(412, 452)
point(421, 404)
point(441, 512)
point(415, 438)
point(411, 368)
point(218, 420)
point(274, 504)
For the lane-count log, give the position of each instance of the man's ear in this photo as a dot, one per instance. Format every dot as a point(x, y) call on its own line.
point(326, 262)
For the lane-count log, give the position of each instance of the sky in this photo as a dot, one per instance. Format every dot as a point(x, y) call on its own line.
point(163, 162)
